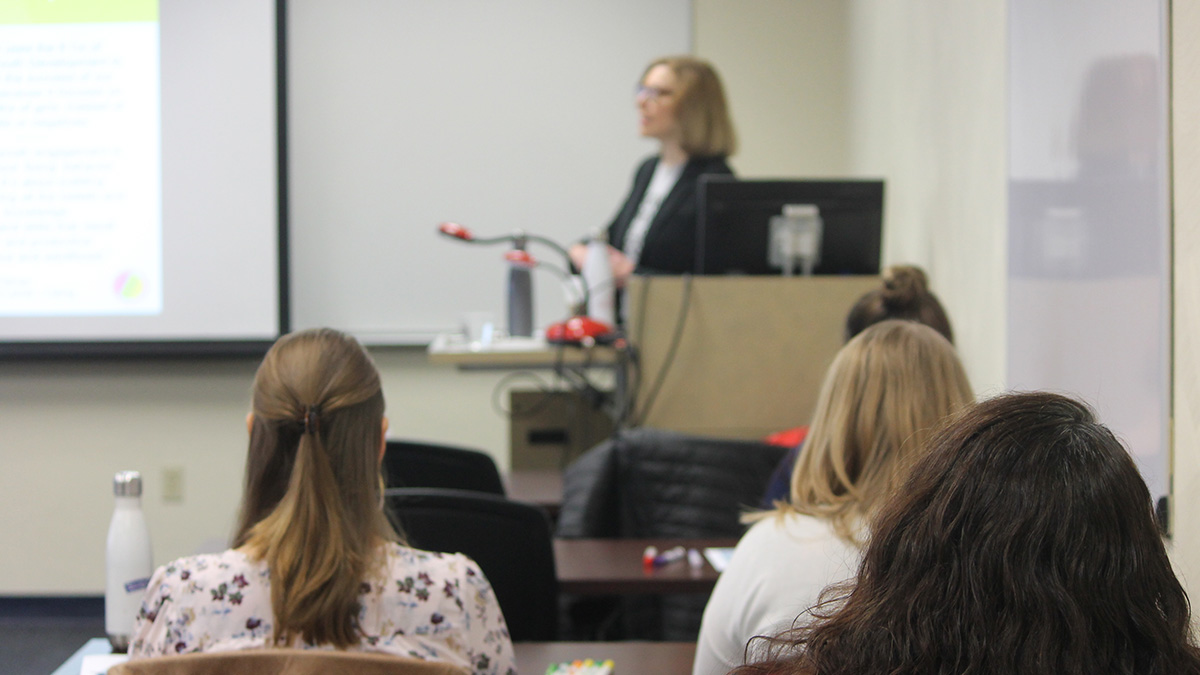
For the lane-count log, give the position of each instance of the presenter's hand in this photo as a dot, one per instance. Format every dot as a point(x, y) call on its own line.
point(622, 267)
point(578, 255)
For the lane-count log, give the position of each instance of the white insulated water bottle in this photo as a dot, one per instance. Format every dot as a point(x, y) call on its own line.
point(598, 277)
point(128, 561)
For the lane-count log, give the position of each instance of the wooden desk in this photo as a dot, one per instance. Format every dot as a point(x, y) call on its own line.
point(614, 567)
point(543, 487)
point(515, 353)
point(662, 658)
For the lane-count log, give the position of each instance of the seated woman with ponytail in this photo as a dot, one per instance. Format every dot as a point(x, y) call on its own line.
point(315, 561)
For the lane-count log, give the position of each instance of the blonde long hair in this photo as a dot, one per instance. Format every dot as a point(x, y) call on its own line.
point(887, 389)
point(703, 112)
point(312, 501)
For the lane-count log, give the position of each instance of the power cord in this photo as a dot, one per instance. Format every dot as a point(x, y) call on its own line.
point(673, 348)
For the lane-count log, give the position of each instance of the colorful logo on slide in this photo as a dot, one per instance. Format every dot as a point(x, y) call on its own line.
point(128, 285)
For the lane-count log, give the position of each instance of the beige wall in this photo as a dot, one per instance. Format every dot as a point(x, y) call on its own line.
point(784, 64)
point(928, 114)
point(66, 427)
point(1186, 371)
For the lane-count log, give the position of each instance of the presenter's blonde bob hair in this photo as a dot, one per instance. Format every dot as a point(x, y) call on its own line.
point(887, 390)
point(701, 111)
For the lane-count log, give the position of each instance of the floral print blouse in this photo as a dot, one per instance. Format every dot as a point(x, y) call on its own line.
point(435, 606)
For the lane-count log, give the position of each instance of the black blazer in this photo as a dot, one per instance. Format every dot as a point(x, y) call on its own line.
point(670, 245)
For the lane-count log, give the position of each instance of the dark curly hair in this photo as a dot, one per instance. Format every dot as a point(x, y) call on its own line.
point(1024, 542)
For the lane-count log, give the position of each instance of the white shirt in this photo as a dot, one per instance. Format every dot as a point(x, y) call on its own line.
point(661, 182)
point(778, 570)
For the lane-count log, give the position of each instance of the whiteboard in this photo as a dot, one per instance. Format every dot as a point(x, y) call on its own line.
point(503, 116)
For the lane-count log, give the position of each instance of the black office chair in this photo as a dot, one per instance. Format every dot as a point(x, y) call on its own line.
point(652, 483)
point(413, 464)
point(510, 540)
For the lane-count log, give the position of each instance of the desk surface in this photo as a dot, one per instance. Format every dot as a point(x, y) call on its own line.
point(507, 353)
point(663, 658)
point(614, 567)
point(667, 658)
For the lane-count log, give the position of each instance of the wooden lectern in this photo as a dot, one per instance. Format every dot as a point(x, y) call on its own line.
point(751, 353)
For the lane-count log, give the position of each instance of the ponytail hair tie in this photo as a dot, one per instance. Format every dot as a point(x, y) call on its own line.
point(311, 420)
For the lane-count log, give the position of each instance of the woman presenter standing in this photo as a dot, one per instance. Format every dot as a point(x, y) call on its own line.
point(681, 104)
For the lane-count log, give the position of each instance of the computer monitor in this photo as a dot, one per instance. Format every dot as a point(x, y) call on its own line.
point(734, 225)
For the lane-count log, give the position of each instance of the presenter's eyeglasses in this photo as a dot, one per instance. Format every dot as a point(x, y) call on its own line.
point(650, 93)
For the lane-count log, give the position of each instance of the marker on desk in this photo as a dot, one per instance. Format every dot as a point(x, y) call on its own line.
point(577, 667)
point(648, 557)
point(695, 559)
point(652, 558)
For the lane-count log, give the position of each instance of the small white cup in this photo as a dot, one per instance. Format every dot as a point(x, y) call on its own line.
point(479, 328)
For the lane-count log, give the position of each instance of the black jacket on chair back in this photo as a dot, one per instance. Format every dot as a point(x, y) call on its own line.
point(653, 483)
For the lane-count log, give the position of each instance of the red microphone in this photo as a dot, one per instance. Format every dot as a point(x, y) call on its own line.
point(580, 330)
point(521, 258)
point(457, 231)
point(576, 330)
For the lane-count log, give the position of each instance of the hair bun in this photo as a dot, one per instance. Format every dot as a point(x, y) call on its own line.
point(903, 285)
